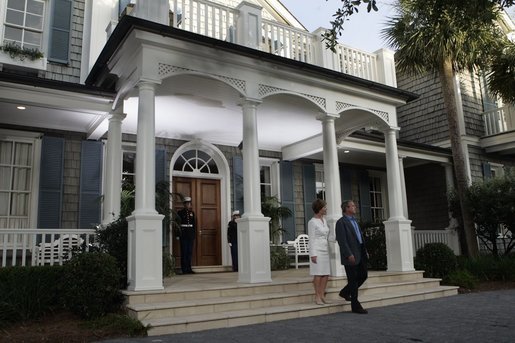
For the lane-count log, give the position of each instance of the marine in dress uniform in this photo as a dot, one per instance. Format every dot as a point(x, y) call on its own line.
point(232, 239)
point(187, 236)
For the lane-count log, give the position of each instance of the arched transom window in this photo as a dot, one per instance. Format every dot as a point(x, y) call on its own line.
point(196, 161)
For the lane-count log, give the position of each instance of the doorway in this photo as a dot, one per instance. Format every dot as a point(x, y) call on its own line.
point(205, 194)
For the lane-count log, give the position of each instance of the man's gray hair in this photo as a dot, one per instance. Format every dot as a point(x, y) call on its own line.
point(345, 204)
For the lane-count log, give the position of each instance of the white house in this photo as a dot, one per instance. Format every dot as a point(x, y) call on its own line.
point(228, 100)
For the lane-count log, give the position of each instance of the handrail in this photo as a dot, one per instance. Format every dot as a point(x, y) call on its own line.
point(499, 120)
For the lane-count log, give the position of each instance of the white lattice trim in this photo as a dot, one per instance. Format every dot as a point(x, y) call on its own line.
point(167, 70)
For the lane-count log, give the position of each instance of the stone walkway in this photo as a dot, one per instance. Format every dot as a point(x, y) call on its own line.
point(474, 317)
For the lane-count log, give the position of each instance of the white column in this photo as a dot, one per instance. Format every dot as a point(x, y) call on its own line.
point(403, 187)
point(145, 225)
point(399, 240)
point(253, 227)
point(332, 189)
point(113, 181)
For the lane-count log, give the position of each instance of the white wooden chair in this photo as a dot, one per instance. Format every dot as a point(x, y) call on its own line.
point(58, 251)
point(300, 248)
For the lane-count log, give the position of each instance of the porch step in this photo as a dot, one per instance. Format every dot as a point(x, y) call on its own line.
point(199, 302)
point(198, 322)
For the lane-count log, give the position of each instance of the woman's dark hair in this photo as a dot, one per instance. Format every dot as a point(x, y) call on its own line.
point(318, 204)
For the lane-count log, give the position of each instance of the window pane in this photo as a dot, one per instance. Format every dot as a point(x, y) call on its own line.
point(34, 22)
point(14, 17)
point(16, 4)
point(129, 159)
point(20, 204)
point(179, 163)
point(5, 152)
point(23, 154)
point(5, 178)
point(12, 33)
point(32, 38)
point(30, 46)
point(264, 174)
point(35, 7)
point(21, 179)
point(4, 202)
point(213, 167)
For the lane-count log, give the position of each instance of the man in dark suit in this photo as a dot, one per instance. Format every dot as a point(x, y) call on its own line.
point(187, 236)
point(353, 255)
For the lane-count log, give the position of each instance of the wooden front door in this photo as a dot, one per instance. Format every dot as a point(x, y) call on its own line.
point(205, 195)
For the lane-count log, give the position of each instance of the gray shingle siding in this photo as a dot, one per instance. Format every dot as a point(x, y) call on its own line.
point(472, 104)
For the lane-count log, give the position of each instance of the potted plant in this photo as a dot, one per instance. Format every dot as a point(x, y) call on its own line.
point(271, 207)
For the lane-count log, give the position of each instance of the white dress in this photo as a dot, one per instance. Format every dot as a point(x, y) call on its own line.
point(318, 232)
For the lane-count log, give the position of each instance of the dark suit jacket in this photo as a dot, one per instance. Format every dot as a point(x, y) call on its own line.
point(347, 240)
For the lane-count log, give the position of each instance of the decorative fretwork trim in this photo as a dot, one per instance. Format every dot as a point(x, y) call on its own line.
point(265, 90)
point(340, 106)
point(166, 70)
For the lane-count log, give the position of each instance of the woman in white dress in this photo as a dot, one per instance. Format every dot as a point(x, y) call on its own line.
point(318, 232)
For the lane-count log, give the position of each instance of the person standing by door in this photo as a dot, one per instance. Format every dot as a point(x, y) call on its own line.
point(353, 255)
point(187, 236)
point(232, 239)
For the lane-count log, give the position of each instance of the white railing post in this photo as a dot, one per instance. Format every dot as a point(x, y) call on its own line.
point(386, 67)
point(249, 25)
point(324, 57)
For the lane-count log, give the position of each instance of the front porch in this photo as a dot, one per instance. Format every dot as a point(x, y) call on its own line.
point(204, 301)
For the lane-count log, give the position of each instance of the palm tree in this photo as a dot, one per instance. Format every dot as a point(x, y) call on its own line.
point(446, 37)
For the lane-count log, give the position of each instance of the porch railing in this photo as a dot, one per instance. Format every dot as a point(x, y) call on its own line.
point(447, 236)
point(220, 22)
point(499, 120)
point(30, 247)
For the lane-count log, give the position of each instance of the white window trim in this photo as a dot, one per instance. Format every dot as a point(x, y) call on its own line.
point(275, 178)
point(497, 168)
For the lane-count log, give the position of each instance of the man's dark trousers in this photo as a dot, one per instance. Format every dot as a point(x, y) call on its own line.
point(356, 276)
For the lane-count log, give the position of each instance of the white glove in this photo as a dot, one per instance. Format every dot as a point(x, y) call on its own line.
point(230, 244)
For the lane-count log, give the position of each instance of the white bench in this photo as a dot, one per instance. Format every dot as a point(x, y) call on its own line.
point(297, 248)
point(58, 251)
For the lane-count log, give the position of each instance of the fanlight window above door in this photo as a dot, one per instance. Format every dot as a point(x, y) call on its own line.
point(196, 161)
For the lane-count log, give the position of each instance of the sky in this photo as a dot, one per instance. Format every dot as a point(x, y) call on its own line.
point(362, 31)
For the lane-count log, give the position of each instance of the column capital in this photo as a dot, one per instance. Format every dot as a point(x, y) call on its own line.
point(390, 129)
point(147, 84)
point(249, 102)
point(117, 116)
point(327, 116)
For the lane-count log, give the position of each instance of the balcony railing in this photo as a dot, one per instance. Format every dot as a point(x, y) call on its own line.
point(447, 236)
point(499, 120)
point(221, 22)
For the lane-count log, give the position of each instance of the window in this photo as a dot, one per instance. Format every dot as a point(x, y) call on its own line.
point(496, 169)
point(319, 181)
point(24, 22)
point(377, 197)
point(196, 161)
point(128, 168)
point(265, 181)
point(16, 181)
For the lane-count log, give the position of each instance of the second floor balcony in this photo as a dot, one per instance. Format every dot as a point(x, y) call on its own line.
point(246, 25)
point(499, 130)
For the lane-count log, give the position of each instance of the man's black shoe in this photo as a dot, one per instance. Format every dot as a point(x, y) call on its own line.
point(344, 295)
point(360, 311)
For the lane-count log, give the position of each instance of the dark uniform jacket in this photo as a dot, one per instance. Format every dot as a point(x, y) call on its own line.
point(187, 223)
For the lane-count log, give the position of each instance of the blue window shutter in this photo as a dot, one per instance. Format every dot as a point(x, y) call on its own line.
point(346, 182)
point(287, 199)
point(60, 31)
point(51, 183)
point(90, 190)
point(237, 183)
point(160, 165)
point(310, 191)
point(487, 170)
point(364, 196)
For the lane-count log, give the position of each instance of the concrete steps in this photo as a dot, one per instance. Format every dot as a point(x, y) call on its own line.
point(203, 307)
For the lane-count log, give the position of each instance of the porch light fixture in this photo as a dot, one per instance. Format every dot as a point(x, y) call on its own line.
point(21, 107)
point(346, 151)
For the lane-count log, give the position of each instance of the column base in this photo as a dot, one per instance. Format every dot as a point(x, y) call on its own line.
point(254, 250)
point(145, 260)
point(399, 245)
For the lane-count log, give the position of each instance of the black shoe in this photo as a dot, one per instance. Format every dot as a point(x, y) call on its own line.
point(344, 295)
point(360, 311)
point(191, 272)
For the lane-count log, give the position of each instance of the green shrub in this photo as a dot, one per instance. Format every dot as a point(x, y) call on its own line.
point(118, 323)
point(91, 285)
point(29, 292)
point(491, 268)
point(436, 259)
point(279, 260)
point(461, 278)
point(168, 264)
point(113, 239)
point(376, 245)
